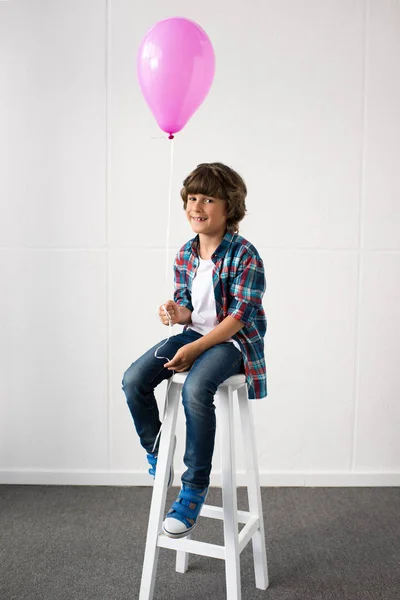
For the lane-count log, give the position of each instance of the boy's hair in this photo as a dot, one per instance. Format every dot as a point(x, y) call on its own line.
point(220, 181)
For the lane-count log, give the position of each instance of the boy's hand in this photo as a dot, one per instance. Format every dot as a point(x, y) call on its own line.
point(173, 311)
point(184, 358)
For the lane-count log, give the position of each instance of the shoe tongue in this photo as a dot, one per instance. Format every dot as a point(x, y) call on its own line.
point(185, 502)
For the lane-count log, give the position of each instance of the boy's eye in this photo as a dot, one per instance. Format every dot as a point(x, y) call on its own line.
point(204, 200)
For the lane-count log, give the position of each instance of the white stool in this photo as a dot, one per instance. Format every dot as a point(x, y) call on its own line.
point(253, 520)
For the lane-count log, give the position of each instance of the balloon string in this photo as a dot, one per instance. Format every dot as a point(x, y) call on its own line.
point(171, 169)
point(169, 213)
point(167, 252)
point(165, 285)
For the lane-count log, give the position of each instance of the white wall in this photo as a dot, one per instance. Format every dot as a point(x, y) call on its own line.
point(305, 104)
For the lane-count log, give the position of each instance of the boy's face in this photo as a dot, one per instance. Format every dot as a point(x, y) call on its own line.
point(206, 214)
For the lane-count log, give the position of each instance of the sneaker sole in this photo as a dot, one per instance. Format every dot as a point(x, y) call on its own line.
point(176, 536)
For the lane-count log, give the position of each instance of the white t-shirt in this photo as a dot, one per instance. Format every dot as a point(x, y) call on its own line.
point(204, 315)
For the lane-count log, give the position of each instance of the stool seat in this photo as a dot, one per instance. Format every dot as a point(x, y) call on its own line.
point(234, 541)
point(235, 380)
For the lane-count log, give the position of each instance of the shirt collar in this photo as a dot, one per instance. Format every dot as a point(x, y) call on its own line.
point(224, 245)
point(222, 248)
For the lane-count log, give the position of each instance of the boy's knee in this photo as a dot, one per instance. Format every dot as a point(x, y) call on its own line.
point(129, 377)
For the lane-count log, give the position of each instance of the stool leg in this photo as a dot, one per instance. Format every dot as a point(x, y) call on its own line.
point(253, 489)
point(159, 494)
point(229, 498)
point(182, 559)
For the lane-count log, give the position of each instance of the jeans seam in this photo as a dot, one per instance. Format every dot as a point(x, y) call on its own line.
point(156, 375)
point(236, 363)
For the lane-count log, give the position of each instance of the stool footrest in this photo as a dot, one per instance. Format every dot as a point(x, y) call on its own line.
point(217, 512)
point(206, 549)
point(191, 546)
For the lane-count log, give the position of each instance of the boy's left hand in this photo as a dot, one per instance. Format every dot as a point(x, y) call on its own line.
point(184, 358)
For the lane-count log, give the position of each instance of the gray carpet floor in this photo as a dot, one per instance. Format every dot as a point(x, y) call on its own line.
point(87, 543)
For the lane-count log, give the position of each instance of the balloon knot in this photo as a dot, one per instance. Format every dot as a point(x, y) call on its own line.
point(170, 137)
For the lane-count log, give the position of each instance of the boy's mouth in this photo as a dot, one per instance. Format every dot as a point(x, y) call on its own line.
point(199, 219)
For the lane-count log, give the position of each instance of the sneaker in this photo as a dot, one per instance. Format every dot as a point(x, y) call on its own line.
point(152, 460)
point(182, 517)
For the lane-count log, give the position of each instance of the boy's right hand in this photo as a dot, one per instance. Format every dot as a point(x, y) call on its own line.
point(173, 311)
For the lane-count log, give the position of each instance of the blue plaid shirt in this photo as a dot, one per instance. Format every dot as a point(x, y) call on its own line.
point(239, 285)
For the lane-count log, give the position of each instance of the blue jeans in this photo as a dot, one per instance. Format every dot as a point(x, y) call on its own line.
point(209, 370)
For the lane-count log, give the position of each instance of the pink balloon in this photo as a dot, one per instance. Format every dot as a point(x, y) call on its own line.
point(176, 66)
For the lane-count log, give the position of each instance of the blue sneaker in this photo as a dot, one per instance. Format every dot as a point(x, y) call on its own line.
point(182, 517)
point(152, 460)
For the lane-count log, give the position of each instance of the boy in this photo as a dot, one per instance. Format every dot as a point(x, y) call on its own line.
point(219, 285)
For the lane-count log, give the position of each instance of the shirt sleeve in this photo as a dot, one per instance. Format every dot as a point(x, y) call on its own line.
point(247, 289)
point(182, 295)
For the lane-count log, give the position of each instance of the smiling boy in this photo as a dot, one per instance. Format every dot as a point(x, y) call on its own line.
point(219, 285)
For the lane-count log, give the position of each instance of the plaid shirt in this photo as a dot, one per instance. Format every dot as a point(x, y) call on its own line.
point(239, 285)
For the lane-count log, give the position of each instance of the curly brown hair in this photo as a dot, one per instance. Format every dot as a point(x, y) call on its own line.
point(218, 180)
